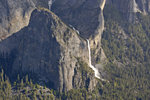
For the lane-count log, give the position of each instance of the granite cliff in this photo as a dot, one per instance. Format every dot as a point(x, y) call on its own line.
point(61, 48)
point(55, 49)
point(44, 46)
point(48, 49)
point(87, 17)
point(15, 15)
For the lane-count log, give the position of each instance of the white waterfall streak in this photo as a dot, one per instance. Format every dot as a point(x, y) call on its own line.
point(103, 4)
point(50, 2)
point(97, 74)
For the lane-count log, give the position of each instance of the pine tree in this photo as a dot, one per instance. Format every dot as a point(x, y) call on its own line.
point(21, 84)
point(27, 80)
point(2, 76)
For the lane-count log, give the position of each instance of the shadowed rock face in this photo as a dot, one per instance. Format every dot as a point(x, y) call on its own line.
point(82, 14)
point(87, 17)
point(48, 49)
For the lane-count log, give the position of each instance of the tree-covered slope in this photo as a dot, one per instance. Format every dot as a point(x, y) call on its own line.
point(126, 46)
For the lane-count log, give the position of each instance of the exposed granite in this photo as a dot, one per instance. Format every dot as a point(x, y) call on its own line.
point(48, 49)
point(87, 17)
point(15, 14)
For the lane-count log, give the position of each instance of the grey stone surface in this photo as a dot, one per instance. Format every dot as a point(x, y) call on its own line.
point(34, 51)
point(15, 14)
point(87, 17)
point(46, 48)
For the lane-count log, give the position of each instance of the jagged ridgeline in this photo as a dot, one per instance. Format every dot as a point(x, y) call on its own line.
point(50, 52)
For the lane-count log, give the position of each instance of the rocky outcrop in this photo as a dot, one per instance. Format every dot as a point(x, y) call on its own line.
point(15, 14)
point(87, 17)
point(48, 49)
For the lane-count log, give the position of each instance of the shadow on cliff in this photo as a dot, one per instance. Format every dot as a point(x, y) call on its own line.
point(33, 51)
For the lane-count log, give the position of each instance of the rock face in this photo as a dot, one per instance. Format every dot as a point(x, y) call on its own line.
point(48, 49)
point(51, 50)
point(15, 14)
point(87, 17)
point(84, 15)
point(130, 7)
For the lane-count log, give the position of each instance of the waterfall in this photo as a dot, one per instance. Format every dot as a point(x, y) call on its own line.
point(97, 74)
point(50, 2)
point(103, 4)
